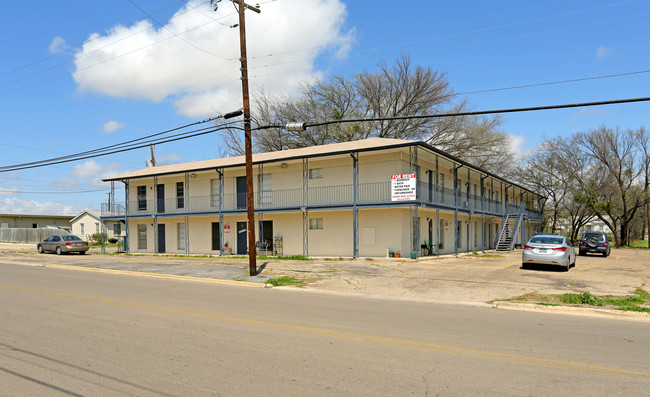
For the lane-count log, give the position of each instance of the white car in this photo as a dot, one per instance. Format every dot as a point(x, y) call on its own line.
point(548, 249)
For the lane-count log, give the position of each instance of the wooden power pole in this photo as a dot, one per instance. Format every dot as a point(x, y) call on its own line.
point(247, 134)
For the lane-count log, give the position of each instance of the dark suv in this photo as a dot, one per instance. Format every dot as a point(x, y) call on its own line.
point(594, 242)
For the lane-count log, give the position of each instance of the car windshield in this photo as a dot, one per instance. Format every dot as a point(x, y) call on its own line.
point(71, 238)
point(596, 235)
point(546, 240)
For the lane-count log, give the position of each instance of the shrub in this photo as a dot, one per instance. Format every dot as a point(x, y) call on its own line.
point(112, 240)
point(586, 298)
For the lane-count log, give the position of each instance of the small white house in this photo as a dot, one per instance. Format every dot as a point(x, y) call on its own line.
point(88, 222)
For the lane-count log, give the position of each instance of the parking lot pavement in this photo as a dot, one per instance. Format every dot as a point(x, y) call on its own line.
point(466, 278)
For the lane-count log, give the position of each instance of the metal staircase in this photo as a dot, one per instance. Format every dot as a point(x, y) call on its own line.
point(509, 230)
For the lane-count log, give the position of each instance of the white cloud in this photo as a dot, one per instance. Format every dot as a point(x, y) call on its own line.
point(58, 45)
point(518, 147)
point(203, 77)
point(8, 191)
point(14, 205)
point(168, 159)
point(88, 175)
point(111, 126)
point(603, 52)
point(594, 112)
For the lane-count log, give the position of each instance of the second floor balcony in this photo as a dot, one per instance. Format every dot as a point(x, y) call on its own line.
point(313, 197)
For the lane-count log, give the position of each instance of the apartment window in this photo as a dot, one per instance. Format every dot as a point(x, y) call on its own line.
point(142, 237)
point(181, 236)
point(117, 229)
point(180, 195)
point(96, 227)
point(316, 224)
point(475, 234)
point(142, 198)
point(316, 173)
point(266, 189)
point(459, 240)
point(214, 192)
point(82, 231)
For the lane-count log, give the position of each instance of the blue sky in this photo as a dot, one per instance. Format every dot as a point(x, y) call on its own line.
point(78, 75)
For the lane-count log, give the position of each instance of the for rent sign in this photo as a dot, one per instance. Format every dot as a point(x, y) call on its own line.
point(402, 187)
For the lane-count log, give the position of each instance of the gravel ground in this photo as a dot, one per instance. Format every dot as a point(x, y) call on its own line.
point(466, 278)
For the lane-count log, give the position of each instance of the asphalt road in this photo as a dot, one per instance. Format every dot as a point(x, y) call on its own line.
point(66, 332)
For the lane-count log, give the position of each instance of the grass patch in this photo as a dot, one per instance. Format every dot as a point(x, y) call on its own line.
point(637, 302)
point(333, 259)
point(284, 280)
point(639, 244)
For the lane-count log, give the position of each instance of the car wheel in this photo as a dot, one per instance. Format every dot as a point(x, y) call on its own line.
point(82, 252)
point(40, 249)
point(524, 265)
point(605, 254)
point(568, 264)
point(582, 253)
point(58, 251)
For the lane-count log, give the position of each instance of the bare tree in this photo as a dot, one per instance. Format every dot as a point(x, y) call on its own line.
point(643, 141)
point(393, 91)
point(609, 177)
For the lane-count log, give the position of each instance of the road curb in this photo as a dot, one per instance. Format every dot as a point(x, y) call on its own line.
point(157, 275)
point(580, 311)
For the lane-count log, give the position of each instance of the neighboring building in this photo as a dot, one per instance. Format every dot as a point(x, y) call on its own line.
point(361, 198)
point(596, 225)
point(34, 221)
point(88, 222)
point(32, 228)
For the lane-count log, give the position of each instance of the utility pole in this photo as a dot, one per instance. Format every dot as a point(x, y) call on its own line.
point(152, 161)
point(247, 133)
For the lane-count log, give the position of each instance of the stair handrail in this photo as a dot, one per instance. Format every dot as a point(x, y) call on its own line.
point(520, 216)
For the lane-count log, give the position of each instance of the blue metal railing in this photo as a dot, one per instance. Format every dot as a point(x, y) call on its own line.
point(367, 193)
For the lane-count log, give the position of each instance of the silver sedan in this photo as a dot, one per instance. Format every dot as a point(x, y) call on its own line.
point(549, 249)
point(62, 243)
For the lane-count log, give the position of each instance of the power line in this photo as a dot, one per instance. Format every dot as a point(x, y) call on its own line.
point(108, 151)
point(110, 147)
point(474, 113)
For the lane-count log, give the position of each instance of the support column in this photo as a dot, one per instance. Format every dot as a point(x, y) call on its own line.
point(456, 168)
point(126, 217)
point(438, 230)
point(483, 212)
point(103, 231)
point(469, 211)
point(355, 215)
point(187, 235)
point(305, 231)
point(220, 172)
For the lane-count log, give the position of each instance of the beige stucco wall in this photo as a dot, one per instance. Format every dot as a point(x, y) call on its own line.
point(91, 226)
point(18, 221)
point(380, 229)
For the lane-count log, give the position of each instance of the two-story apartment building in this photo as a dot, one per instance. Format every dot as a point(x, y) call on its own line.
point(365, 198)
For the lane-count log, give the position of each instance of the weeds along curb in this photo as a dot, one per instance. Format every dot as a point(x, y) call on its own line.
point(580, 311)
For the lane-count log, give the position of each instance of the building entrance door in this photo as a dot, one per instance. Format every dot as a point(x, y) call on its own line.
point(216, 242)
point(241, 238)
point(266, 236)
point(161, 238)
point(430, 250)
point(241, 192)
point(160, 196)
